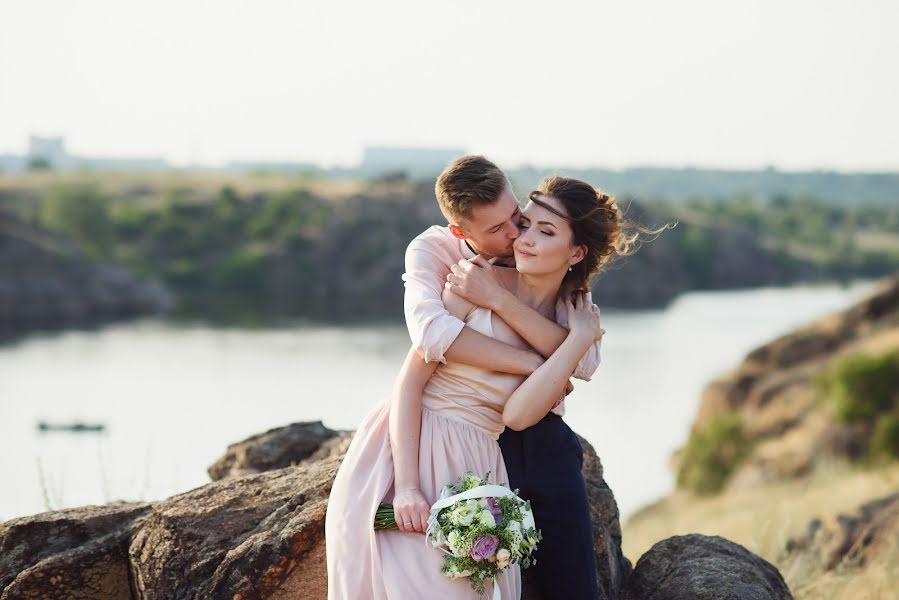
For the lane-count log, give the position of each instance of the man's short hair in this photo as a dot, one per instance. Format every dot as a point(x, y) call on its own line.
point(467, 182)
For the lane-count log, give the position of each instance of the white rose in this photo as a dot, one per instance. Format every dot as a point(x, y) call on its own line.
point(485, 518)
point(455, 543)
point(464, 514)
point(503, 557)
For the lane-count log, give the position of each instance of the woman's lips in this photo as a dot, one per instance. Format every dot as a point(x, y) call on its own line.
point(524, 252)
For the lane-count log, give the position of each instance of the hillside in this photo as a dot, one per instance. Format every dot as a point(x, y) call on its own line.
point(795, 454)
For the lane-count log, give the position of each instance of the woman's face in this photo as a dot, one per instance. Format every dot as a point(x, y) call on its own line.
point(545, 243)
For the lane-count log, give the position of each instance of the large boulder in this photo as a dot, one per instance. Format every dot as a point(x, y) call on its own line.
point(248, 538)
point(260, 535)
point(257, 532)
point(277, 448)
point(81, 553)
point(699, 567)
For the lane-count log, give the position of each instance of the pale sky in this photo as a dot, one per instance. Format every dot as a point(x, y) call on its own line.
point(794, 84)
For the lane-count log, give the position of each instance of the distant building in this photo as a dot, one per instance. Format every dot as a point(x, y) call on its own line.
point(416, 162)
point(51, 150)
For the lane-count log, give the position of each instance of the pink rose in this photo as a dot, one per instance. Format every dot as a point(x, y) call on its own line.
point(484, 547)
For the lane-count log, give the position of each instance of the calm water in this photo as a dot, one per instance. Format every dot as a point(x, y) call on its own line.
point(174, 397)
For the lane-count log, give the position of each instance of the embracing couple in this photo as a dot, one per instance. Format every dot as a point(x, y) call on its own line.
point(498, 309)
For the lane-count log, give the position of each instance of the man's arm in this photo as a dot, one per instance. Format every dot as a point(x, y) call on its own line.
point(438, 335)
point(475, 281)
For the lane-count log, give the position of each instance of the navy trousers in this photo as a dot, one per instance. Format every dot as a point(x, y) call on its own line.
point(544, 463)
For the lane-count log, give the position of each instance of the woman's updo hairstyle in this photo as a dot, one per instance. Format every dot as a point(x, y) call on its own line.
point(596, 222)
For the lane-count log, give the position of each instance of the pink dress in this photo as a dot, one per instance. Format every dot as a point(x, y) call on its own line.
point(461, 420)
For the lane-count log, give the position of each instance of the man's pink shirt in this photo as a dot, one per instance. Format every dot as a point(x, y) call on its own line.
point(432, 328)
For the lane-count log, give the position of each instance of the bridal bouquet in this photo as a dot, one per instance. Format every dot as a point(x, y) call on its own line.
point(482, 528)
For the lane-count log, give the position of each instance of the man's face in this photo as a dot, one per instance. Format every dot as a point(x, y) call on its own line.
point(493, 227)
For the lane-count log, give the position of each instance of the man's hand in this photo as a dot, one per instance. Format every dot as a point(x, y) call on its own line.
point(476, 281)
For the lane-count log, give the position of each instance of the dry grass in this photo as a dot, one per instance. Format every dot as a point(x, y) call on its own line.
point(153, 183)
point(763, 519)
point(876, 240)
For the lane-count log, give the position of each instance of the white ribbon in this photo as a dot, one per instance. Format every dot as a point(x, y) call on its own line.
point(482, 491)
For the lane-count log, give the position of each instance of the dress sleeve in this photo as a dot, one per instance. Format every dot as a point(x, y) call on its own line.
point(432, 328)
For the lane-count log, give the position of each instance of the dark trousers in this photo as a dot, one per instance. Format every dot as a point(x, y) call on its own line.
point(544, 463)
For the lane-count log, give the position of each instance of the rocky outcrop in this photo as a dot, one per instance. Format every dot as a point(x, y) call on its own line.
point(80, 553)
point(698, 567)
point(784, 421)
point(45, 283)
point(612, 568)
point(868, 534)
point(251, 537)
point(258, 533)
point(280, 447)
point(302, 443)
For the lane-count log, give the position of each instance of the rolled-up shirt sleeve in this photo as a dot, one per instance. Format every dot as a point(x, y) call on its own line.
point(432, 328)
point(588, 364)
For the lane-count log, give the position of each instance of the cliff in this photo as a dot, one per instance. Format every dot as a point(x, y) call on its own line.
point(46, 283)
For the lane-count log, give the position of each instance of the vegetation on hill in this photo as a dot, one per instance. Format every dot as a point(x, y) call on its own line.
point(253, 248)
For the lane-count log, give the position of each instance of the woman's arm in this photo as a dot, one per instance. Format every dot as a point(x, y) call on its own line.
point(541, 391)
point(409, 504)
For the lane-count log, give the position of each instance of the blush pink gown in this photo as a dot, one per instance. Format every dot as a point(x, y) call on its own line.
point(460, 423)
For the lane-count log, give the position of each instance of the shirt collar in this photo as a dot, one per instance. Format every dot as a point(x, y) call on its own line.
point(467, 252)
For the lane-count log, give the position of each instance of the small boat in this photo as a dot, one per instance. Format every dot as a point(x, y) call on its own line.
point(74, 426)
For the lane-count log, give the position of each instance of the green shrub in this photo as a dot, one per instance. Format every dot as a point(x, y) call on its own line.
point(862, 387)
point(711, 454)
point(885, 440)
point(81, 212)
point(243, 271)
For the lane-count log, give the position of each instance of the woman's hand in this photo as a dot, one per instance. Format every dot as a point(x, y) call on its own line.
point(583, 317)
point(411, 510)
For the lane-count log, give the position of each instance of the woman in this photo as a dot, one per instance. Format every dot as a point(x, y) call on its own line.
point(444, 419)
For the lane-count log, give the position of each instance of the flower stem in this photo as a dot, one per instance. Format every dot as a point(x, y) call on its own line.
point(385, 518)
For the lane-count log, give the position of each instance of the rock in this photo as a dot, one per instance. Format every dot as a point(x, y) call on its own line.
point(256, 536)
point(291, 445)
point(252, 537)
point(78, 553)
point(699, 567)
point(853, 539)
point(274, 449)
point(612, 568)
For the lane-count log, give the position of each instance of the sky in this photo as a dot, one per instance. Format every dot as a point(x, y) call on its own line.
point(723, 84)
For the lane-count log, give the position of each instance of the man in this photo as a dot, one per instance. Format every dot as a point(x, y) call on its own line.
point(482, 213)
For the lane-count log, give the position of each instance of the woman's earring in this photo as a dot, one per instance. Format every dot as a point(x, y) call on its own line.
point(569, 268)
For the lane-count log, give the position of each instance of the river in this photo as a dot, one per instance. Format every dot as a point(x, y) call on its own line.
point(173, 397)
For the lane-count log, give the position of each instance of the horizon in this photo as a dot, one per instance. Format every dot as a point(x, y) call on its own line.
point(232, 165)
